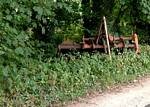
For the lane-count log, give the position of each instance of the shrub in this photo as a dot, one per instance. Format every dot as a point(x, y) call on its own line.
point(38, 83)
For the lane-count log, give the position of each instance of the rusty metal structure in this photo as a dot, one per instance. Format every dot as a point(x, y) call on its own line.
point(103, 41)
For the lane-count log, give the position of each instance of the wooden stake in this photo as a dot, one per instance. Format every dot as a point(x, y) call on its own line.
point(107, 38)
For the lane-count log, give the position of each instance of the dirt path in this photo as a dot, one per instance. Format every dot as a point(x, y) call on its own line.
point(137, 95)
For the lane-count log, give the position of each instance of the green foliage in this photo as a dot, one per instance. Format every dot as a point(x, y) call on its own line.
point(30, 31)
point(38, 83)
point(34, 24)
point(72, 31)
point(123, 17)
point(144, 10)
point(24, 24)
point(68, 20)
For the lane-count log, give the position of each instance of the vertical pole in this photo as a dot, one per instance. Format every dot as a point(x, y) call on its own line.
point(107, 39)
point(136, 43)
point(99, 34)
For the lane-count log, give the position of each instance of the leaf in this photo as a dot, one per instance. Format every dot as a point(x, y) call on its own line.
point(43, 30)
point(34, 25)
point(44, 20)
point(2, 52)
point(19, 50)
point(9, 17)
point(5, 71)
point(60, 5)
point(39, 10)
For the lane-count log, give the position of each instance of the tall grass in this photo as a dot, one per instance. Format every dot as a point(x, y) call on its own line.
point(40, 83)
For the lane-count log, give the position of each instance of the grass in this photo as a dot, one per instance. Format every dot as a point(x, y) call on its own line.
point(41, 84)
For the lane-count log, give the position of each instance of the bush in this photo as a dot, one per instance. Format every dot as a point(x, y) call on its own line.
point(38, 83)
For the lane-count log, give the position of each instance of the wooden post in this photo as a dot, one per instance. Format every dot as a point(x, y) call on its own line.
point(107, 38)
point(136, 43)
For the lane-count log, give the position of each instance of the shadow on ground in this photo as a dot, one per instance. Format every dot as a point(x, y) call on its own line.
point(147, 105)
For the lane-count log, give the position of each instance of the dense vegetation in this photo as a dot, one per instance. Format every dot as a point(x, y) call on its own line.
point(40, 84)
point(30, 31)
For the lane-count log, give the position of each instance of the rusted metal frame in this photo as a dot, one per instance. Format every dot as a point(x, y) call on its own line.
point(99, 33)
point(77, 46)
point(124, 38)
point(93, 42)
point(104, 44)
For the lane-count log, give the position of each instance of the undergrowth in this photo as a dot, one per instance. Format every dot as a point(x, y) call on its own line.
point(38, 83)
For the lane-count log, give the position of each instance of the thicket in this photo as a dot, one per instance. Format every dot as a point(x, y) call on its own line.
point(35, 28)
point(30, 31)
point(123, 17)
point(58, 80)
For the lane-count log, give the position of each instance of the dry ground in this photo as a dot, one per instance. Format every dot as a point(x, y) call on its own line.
point(135, 95)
